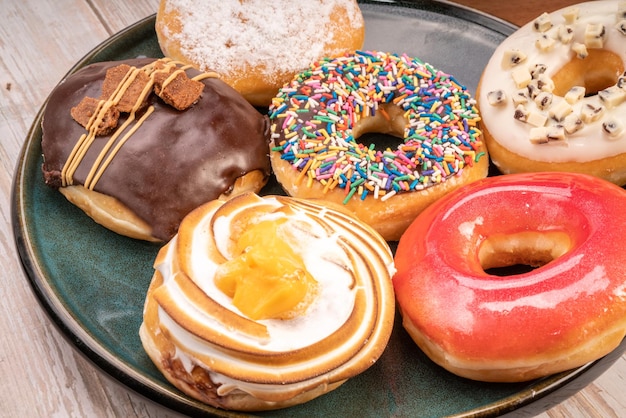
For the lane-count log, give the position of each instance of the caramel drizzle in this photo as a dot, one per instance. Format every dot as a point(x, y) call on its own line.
point(92, 178)
point(86, 140)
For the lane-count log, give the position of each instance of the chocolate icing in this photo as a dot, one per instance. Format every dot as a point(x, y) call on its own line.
point(174, 162)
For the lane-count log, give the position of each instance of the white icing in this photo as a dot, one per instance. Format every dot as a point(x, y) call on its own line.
point(587, 144)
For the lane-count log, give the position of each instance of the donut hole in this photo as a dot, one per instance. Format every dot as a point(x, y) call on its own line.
point(521, 252)
point(598, 71)
point(389, 119)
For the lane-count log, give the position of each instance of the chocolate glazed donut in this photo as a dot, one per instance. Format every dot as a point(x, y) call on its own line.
point(174, 161)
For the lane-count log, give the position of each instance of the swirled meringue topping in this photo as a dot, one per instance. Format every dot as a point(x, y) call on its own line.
point(341, 331)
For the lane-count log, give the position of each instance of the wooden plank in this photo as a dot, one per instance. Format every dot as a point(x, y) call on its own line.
point(42, 375)
point(516, 12)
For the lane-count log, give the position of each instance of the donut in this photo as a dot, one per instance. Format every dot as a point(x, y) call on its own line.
point(257, 46)
point(553, 95)
point(481, 324)
point(262, 303)
point(318, 118)
point(136, 161)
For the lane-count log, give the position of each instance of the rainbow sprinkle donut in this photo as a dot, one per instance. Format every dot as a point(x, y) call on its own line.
point(317, 118)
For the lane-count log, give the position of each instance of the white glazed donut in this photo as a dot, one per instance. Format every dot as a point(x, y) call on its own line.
point(553, 95)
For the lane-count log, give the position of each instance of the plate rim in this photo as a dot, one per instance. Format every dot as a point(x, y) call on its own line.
point(121, 372)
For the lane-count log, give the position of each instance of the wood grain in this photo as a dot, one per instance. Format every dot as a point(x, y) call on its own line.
point(42, 375)
point(516, 12)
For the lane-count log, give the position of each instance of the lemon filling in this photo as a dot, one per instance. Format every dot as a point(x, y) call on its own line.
point(266, 278)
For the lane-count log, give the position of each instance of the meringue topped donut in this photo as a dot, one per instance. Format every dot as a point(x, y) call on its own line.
point(553, 95)
point(318, 118)
point(257, 46)
point(136, 161)
point(569, 310)
point(263, 303)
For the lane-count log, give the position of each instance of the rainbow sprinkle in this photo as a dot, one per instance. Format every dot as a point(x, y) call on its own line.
point(313, 117)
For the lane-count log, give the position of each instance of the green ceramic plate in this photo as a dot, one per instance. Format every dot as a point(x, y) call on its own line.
point(92, 282)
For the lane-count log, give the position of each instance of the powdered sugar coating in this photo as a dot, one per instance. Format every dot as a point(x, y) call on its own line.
point(283, 35)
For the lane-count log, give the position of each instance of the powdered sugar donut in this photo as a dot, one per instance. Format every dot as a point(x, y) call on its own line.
point(257, 45)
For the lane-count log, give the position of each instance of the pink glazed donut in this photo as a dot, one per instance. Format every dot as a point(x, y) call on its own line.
point(568, 311)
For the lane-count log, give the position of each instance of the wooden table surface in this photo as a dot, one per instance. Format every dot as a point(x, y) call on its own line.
point(42, 375)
